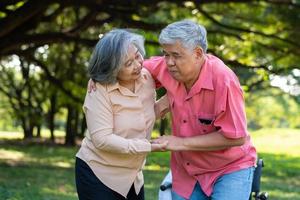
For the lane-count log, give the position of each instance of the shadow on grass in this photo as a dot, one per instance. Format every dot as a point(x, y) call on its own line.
point(34, 172)
point(34, 183)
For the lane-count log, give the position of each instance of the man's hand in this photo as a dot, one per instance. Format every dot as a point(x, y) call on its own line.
point(91, 86)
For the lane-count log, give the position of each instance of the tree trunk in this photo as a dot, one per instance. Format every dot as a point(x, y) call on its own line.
point(83, 127)
point(51, 116)
point(38, 130)
point(162, 127)
point(27, 129)
point(70, 128)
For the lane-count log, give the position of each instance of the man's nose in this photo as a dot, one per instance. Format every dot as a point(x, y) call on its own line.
point(170, 61)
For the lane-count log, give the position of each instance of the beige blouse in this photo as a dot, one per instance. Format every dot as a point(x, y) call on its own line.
point(119, 126)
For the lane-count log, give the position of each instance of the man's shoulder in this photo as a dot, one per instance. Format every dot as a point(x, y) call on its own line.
point(155, 65)
point(154, 61)
point(217, 64)
point(220, 71)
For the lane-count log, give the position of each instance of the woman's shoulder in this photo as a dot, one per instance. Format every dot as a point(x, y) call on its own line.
point(101, 86)
point(100, 91)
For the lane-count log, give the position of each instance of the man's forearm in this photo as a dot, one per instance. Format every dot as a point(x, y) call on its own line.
point(210, 142)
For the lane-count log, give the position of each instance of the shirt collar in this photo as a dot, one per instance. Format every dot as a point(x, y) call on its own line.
point(206, 75)
point(205, 79)
point(138, 84)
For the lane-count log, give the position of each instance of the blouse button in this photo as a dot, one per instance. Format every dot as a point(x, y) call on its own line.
point(184, 121)
point(187, 163)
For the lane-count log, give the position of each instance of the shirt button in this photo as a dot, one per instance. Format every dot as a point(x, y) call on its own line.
point(184, 121)
point(204, 130)
point(187, 163)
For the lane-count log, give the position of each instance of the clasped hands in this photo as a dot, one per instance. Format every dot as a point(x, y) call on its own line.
point(167, 143)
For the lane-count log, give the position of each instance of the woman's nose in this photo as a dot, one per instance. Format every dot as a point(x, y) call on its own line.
point(138, 63)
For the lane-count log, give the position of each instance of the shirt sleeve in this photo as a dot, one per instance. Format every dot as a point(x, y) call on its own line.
point(153, 65)
point(232, 117)
point(99, 118)
point(161, 106)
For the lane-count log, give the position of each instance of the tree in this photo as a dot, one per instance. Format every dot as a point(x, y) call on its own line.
point(257, 39)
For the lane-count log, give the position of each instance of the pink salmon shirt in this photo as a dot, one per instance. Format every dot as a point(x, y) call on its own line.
point(214, 103)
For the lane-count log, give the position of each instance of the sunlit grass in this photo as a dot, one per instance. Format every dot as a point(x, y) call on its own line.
point(11, 155)
point(10, 135)
point(277, 141)
point(280, 149)
point(34, 172)
point(45, 133)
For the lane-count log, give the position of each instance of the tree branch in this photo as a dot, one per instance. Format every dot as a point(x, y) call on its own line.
point(29, 10)
point(14, 44)
point(293, 43)
point(51, 78)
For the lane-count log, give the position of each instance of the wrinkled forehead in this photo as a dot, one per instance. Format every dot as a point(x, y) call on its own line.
point(176, 47)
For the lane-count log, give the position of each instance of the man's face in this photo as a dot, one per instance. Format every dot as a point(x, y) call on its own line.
point(181, 62)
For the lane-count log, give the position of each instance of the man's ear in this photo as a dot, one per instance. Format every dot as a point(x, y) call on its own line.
point(199, 52)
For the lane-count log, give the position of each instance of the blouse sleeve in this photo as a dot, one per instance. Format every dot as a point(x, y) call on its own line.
point(153, 65)
point(161, 107)
point(99, 118)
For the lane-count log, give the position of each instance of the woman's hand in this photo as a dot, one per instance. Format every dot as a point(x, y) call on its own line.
point(91, 86)
point(159, 146)
point(173, 143)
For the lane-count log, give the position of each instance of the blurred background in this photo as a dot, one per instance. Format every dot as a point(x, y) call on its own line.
point(45, 48)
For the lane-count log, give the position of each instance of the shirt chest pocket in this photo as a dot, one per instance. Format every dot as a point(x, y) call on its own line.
point(204, 123)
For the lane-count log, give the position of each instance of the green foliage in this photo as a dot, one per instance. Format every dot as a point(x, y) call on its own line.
point(271, 109)
point(257, 39)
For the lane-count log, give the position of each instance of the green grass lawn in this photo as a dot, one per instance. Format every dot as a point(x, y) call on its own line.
point(40, 172)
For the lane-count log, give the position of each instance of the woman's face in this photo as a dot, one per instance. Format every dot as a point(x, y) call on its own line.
point(131, 69)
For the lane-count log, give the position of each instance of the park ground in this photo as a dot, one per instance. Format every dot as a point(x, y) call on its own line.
point(30, 171)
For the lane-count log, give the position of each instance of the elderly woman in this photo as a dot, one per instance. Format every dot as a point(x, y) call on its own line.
point(120, 116)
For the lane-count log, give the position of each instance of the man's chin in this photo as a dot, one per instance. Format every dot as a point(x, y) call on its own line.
point(176, 77)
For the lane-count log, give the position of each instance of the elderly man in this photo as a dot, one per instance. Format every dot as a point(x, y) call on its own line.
point(212, 155)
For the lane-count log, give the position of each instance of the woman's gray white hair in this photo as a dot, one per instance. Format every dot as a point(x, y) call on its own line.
point(110, 53)
point(189, 33)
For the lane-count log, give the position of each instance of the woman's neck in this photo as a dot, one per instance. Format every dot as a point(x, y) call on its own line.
point(130, 85)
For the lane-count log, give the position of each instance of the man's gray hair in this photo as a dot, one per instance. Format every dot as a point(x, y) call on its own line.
point(110, 53)
point(188, 33)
